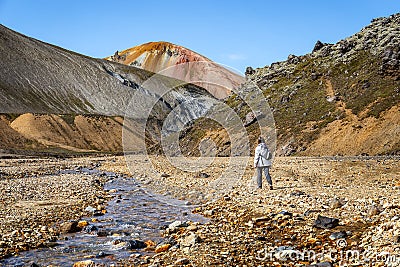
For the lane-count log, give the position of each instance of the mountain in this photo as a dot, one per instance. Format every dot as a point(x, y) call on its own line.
point(163, 56)
point(156, 56)
point(52, 98)
point(340, 99)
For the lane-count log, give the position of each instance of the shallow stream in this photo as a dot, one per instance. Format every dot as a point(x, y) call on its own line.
point(133, 214)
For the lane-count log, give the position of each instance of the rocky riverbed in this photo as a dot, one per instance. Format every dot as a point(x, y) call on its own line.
point(322, 211)
point(37, 198)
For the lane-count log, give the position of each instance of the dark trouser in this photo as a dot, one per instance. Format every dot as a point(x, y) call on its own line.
point(259, 176)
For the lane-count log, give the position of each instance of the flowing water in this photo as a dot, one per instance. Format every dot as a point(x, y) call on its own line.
point(133, 214)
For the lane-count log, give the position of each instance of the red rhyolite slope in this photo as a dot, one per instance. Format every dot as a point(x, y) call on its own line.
point(159, 56)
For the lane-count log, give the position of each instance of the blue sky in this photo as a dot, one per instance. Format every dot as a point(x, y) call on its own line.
point(235, 33)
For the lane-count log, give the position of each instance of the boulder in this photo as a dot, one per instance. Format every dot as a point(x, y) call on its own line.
point(192, 227)
point(336, 203)
point(90, 209)
point(173, 227)
point(182, 261)
point(203, 175)
point(129, 244)
point(82, 224)
point(189, 240)
point(136, 244)
point(314, 76)
point(162, 248)
point(90, 229)
point(250, 118)
point(345, 46)
point(209, 212)
point(70, 227)
point(150, 243)
point(338, 235)
point(326, 222)
point(102, 254)
point(373, 211)
point(249, 71)
point(102, 233)
point(292, 59)
point(87, 263)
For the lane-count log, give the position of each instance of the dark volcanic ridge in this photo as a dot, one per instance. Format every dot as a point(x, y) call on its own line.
point(340, 99)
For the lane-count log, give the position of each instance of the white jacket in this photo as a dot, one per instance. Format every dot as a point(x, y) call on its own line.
point(260, 160)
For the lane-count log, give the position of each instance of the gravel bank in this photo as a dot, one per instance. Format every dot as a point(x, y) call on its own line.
point(35, 200)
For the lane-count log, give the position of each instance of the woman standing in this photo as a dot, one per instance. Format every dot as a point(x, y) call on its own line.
point(262, 161)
